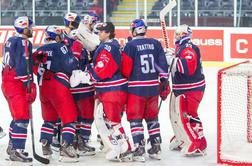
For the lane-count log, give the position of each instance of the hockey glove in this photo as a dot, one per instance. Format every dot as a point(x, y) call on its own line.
point(40, 57)
point(78, 77)
point(164, 88)
point(33, 93)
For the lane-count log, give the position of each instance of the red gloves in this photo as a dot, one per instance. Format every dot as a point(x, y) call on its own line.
point(32, 95)
point(164, 88)
point(39, 57)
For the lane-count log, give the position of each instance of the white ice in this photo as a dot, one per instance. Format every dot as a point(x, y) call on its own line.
point(207, 113)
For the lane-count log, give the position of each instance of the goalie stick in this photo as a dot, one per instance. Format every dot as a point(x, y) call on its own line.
point(162, 14)
point(35, 155)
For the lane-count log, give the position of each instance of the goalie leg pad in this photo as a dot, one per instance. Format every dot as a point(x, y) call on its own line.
point(189, 128)
point(111, 134)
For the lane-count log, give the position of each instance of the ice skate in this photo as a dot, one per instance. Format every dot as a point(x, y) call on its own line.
point(175, 144)
point(18, 155)
point(9, 148)
point(46, 149)
point(155, 150)
point(84, 149)
point(55, 144)
point(2, 133)
point(139, 153)
point(68, 154)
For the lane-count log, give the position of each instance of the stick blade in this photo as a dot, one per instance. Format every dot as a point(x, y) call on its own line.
point(41, 159)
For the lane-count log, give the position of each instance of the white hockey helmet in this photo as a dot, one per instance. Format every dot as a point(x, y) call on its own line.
point(91, 19)
point(23, 25)
point(182, 32)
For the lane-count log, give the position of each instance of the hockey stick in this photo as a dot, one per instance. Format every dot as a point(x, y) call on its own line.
point(162, 14)
point(35, 155)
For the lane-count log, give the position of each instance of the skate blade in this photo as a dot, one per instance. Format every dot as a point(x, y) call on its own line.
point(86, 153)
point(139, 158)
point(155, 156)
point(64, 159)
point(2, 134)
point(55, 149)
point(18, 163)
point(49, 157)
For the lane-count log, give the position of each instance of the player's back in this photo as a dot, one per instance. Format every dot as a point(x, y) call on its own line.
point(148, 59)
point(60, 61)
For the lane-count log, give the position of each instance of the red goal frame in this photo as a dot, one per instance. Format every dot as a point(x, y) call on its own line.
point(219, 136)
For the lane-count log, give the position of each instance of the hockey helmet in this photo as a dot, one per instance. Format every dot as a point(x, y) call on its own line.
point(91, 18)
point(52, 32)
point(72, 20)
point(138, 27)
point(182, 32)
point(23, 25)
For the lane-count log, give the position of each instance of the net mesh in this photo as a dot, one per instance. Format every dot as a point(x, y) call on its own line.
point(235, 114)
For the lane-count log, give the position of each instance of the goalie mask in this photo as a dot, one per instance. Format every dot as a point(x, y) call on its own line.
point(138, 27)
point(53, 33)
point(72, 20)
point(183, 32)
point(23, 25)
point(91, 19)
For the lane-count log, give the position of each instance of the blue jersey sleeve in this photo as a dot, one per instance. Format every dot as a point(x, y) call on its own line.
point(20, 61)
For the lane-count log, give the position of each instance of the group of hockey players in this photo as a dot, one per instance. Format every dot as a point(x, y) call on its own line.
point(85, 76)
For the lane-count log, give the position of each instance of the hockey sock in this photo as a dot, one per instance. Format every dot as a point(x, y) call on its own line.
point(137, 131)
point(68, 133)
point(85, 128)
point(19, 134)
point(47, 131)
point(153, 129)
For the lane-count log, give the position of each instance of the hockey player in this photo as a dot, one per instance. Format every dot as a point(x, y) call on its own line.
point(188, 89)
point(2, 133)
point(14, 86)
point(84, 93)
point(145, 66)
point(56, 63)
point(111, 90)
point(71, 22)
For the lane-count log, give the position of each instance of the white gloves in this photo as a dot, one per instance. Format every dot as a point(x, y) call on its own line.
point(171, 60)
point(78, 77)
point(170, 55)
point(88, 39)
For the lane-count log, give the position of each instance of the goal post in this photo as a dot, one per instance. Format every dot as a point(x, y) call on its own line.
point(234, 104)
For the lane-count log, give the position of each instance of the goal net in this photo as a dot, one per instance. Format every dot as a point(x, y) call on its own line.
point(234, 114)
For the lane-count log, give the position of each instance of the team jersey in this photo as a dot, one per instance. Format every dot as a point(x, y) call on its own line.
point(189, 73)
point(105, 71)
point(14, 57)
point(143, 64)
point(60, 61)
point(82, 90)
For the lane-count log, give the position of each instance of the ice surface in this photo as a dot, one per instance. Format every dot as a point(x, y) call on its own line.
point(207, 113)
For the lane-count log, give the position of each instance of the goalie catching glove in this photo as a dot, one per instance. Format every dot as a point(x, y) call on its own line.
point(79, 77)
